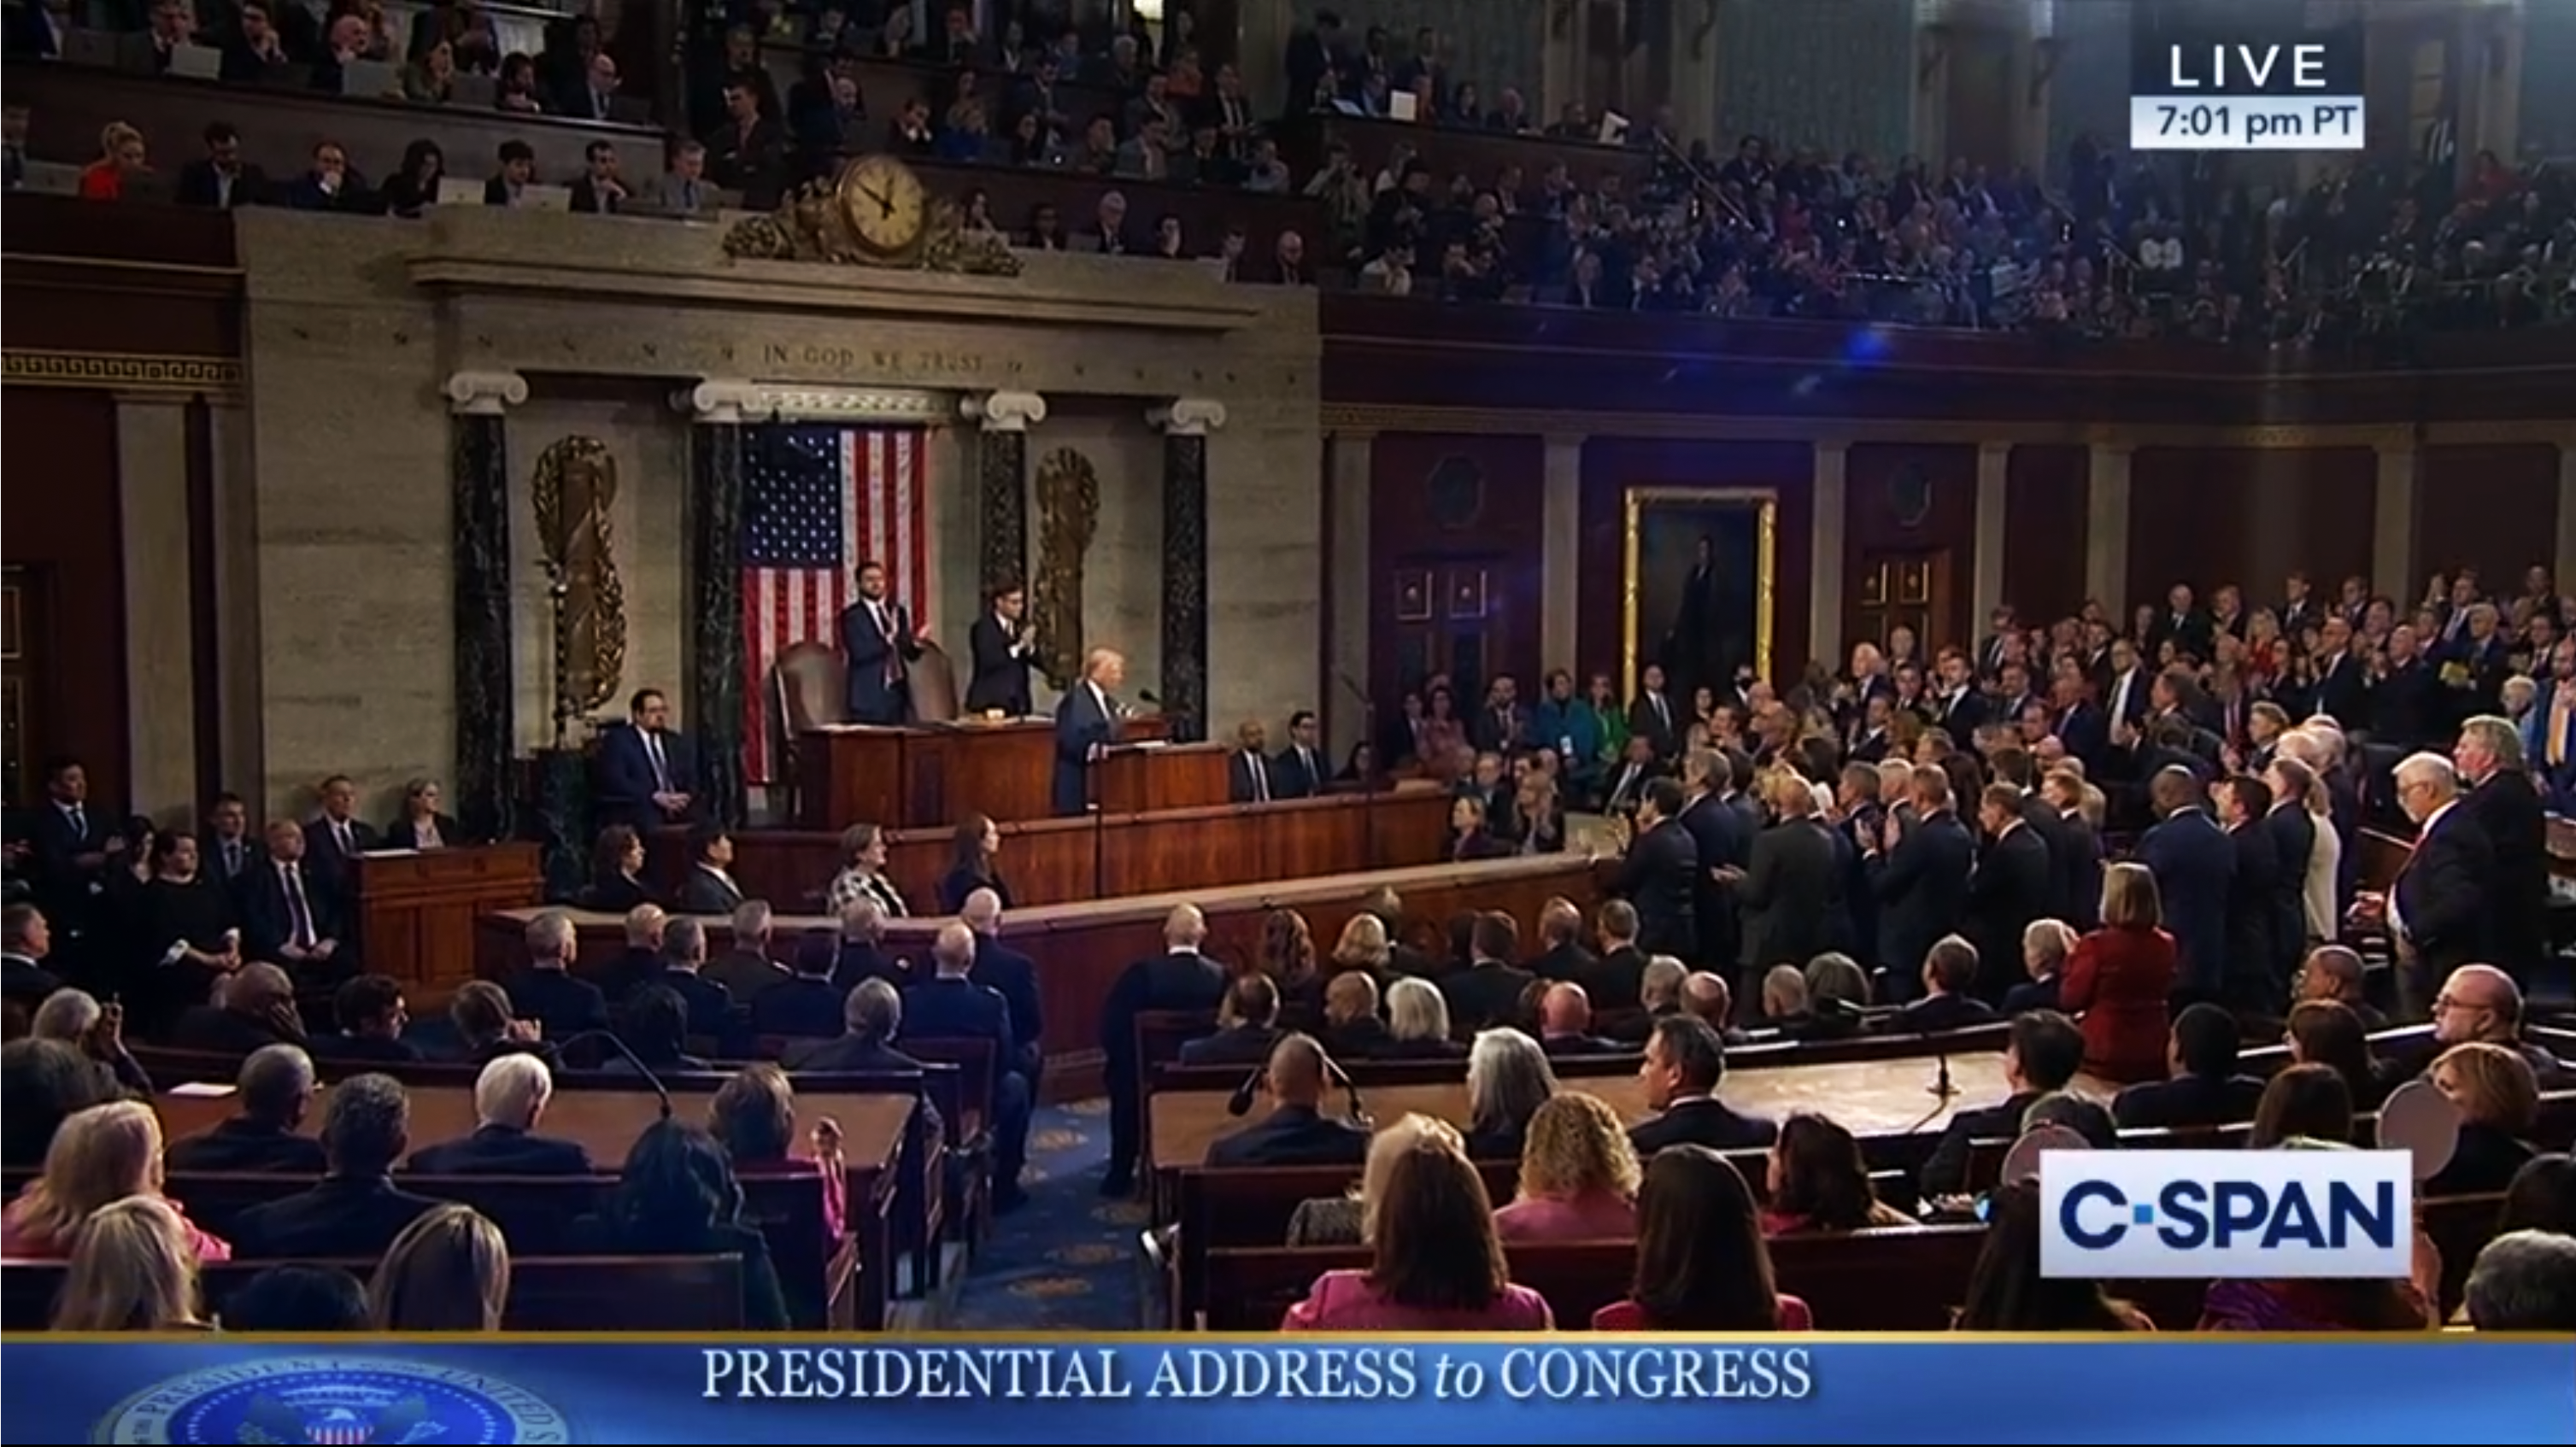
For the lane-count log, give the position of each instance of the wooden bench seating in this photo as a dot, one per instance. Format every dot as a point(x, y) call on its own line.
point(692, 1294)
point(1900, 1278)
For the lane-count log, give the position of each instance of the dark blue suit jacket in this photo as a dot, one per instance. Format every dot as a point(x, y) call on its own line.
point(1080, 723)
point(960, 1009)
point(625, 776)
point(871, 699)
point(266, 921)
point(1014, 976)
point(2194, 865)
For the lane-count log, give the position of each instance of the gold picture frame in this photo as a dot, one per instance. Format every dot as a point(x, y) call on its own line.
point(1639, 504)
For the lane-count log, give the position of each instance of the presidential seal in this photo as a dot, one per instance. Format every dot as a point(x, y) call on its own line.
point(334, 1402)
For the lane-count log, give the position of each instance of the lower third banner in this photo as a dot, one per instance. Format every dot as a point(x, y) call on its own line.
point(318, 1392)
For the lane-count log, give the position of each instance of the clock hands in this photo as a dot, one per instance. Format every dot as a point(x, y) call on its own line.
point(884, 205)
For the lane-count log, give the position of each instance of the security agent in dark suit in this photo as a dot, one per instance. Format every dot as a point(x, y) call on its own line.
point(646, 773)
point(2205, 1089)
point(881, 644)
point(337, 836)
point(1652, 715)
point(1014, 976)
point(1296, 1132)
point(1181, 979)
point(1253, 1002)
point(709, 886)
point(951, 1006)
point(547, 991)
point(2441, 907)
point(2041, 1054)
point(2012, 886)
point(1789, 892)
point(1685, 1064)
point(1299, 771)
point(2258, 973)
point(2507, 809)
point(510, 1098)
point(1248, 777)
point(276, 1088)
point(228, 844)
point(1001, 650)
point(356, 1210)
point(70, 844)
point(1918, 872)
point(1086, 724)
point(2193, 865)
point(1661, 872)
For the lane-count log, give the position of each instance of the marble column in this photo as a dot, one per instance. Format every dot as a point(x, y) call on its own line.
point(715, 658)
point(1002, 484)
point(1348, 581)
point(160, 632)
point(1986, 554)
point(2563, 556)
point(2106, 527)
point(1832, 488)
point(2392, 523)
point(1185, 424)
point(1561, 555)
point(479, 471)
point(236, 590)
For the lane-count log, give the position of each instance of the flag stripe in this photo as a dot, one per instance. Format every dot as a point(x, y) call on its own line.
point(819, 502)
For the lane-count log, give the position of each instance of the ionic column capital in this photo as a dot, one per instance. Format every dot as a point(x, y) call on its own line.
point(1004, 411)
point(485, 394)
point(1187, 416)
point(719, 403)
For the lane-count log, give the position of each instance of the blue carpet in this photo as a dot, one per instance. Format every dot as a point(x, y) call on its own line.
point(1066, 1260)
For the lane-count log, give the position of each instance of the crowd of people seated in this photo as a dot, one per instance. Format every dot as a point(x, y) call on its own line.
point(2120, 248)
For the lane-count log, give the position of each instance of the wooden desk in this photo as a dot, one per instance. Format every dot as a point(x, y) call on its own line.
point(1867, 1097)
point(1081, 949)
point(930, 776)
point(1139, 778)
point(416, 910)
point(1102, 856)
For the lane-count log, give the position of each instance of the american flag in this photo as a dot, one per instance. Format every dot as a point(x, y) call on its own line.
point(817, 503)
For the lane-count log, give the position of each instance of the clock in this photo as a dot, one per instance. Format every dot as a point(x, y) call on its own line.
point(883, 201)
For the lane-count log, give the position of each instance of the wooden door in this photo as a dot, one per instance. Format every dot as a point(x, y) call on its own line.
point(23, 735)
point(1900, 587)
point(1450, 618)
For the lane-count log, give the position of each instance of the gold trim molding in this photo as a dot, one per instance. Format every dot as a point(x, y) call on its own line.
point(1370, 417)
point(1763, 502)
point(213, 377)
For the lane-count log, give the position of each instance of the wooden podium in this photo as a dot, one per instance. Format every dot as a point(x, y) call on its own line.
point(417, 910)
point(932, 775)
point(1143, 778)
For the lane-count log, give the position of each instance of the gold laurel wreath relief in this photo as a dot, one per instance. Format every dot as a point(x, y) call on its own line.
point(576, 489)
point(1068, 498)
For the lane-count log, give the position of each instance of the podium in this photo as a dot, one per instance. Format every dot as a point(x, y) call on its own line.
point(931, 775)
point(1144, 778)
point(417, 910)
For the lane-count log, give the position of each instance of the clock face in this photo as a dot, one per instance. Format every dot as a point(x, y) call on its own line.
point(885, 204)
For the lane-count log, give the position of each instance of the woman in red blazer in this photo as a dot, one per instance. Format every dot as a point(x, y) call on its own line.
point(2118, 977)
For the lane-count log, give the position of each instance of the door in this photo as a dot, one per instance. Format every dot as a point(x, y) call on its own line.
point(1902, 588)
point(1451, 620)
point(22, 735)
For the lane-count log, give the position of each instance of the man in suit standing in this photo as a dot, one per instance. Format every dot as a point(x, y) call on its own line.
point(2508, 811)
point(1788, 890)
point(648, 771)
point(1001, 652)
point(1014, 976)
point(2194, 866)
point(1296, 1132)
point(1650, 713)
point(1086, 723)
point(2011, 887)
point(2258, 974)
point(1720, 842)
point(880, 642)
point(1299, 772)
point(227, 846)
point(71, 847)
point(1179, 979)
point(510, 1098)
point(2442, 906)
point(1247, 768)
point(952, 1006)
point(337, 836)
point(1918, 878)
point(1661, 872)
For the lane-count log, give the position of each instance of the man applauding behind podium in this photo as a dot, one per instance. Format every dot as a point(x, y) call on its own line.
point(880, 642)
point(1086, 723)
point(1002, 650)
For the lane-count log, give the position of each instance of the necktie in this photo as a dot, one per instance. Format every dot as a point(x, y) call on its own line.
point(232, 858)
point(1306, 761)
point(340, 836)
point(80, 822)
point(299, 913)
point(661, 770)
point(1663, 715)
point(1260, 778)
point(894, 655)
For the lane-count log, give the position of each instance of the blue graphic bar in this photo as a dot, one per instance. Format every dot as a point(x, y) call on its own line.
point(341, 1392)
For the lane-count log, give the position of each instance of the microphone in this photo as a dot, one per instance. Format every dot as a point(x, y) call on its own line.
point(1147, 695)
point(1350, 1091)
point(1240, 1103)
point(609, 1038)
point(1942, 1087)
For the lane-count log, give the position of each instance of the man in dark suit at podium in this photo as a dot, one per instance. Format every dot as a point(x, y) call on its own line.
point(648, 770)
point(1086, 724)
point(1001, 650)
point(881, 643)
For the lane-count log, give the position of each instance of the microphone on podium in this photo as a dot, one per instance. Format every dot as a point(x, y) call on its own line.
point(1240, 1103)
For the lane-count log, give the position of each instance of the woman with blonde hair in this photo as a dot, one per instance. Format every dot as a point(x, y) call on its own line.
point(1578, 1176)
point(1363, 946)
point(1435, 1262)
point(120, 159)
point(2118, 978)
point(449, 1270)
point(1417, 1022)
point(2498, 1096)
point(1344, 1220)
point(100, 1156)
point(134, 1268)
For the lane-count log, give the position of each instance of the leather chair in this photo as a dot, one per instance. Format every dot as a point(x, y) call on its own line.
point(934, 686)
point(809, 685)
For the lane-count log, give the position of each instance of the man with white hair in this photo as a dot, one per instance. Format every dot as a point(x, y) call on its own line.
point(1180, 979)
point(2509, 812)
point(2441, 908)
point(547, 991)
point(2524, 1281)
point(1086, 724)
point(274, 1091)
point(746, 970)
point(252, 1007)
point(950, 1006)
point(643, 958)
point(1014, 976)
point(510, 1099)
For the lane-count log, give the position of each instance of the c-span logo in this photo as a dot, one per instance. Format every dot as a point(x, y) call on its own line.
point(2265, 1215)
point(334, 1402)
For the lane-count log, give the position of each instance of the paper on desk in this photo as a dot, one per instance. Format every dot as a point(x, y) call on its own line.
point(202, 1090)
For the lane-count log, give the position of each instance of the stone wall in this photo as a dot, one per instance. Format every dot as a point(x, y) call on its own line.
point(354, 326)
